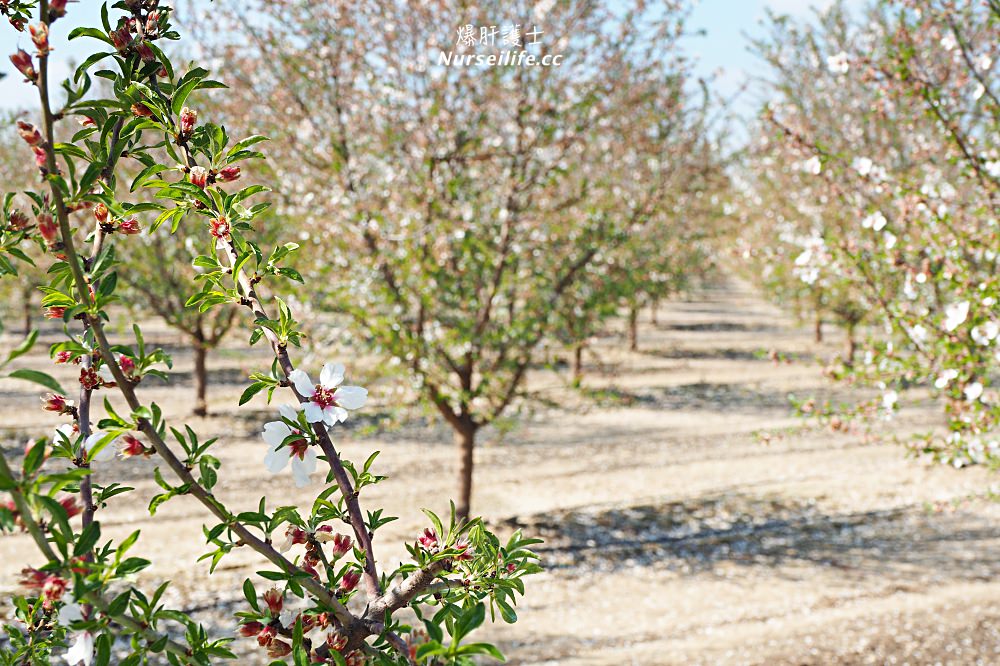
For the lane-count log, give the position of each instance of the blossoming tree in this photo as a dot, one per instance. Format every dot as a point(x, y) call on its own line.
point(894, 116)
point(464, 202)
point(84, 593)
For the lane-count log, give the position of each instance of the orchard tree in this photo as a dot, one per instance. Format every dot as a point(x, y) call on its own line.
point(84, 593)
point(895, 116)
point(464, 201)
point(158, 280)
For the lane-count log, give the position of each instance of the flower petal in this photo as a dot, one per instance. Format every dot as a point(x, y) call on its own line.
point(302, 383)
point(329, 415)
point(275, 433)
point(276, 459)
point(290, 412)
point(351, 397)
point(339, 414)
point(301, 469)
point(314, 413)
point(331, 375)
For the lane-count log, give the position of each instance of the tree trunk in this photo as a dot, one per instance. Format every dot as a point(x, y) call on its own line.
point(852, 346)
point(200, 378)
point(578, 362)
point(465, 439)
point(633, 328)
point(818, 329)
point(654, 308)
point(26, 311)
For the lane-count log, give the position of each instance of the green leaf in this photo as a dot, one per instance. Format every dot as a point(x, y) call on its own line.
point(90, 32)
point(22, 348)
point(39, 378)
point(87, 539)
point(34, 458)
point(251, 391)
point(250, 592)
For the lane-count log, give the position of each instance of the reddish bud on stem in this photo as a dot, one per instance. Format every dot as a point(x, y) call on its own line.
point(29, 133)
point(22, 62)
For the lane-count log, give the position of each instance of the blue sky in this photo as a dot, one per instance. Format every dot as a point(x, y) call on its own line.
point(723, 49)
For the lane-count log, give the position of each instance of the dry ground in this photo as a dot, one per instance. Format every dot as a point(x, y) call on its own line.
point(674, 534)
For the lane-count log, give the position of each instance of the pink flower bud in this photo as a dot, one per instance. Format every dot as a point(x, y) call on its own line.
point(54, 587)
point(251, 629)
point(189, 118)
point(429, 539)
point(341, 546)
point(101, 213)
point(219, 228)
point(29, 133)
point(18, 220)
point(228, 174)
point(121, 38)
point(87, 121)
point(71, 506)
point(145, 52)
point(47, 228)
point(277, 649)
point(40, 37)
point(32, 578)
point(336, 641)
point(22, 61)
point(55, 312)
point(129, 227)
point(198, 176)
point(293, 535)
point(41, 157)
point(57, 9)
point(153, 22)
point(275, 600)
point(349, 581)
point(466, 552)
point(64, 357)
point(127, 364)
point(130, 447)
point(266, 635)
point(54, 402)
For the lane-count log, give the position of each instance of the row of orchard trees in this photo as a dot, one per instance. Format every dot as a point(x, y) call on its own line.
point(460, 218)
point(464, 216)
point(875, 196)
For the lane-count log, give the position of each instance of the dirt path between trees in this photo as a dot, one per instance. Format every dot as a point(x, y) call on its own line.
point(689, 518)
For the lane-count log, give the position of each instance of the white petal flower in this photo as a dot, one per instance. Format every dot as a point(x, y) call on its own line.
point(863, 165)
point(838, 63)
point(890, 240)
point(889, 399)
point(70, 611)
point(973, 391)
point(945, 378)
point(812, 165)
point(82, 651)
point(299, 452)
point(328, 401)
point(64, 434)
point(105, 373)
point(875, 221)
point(955, 314)
point(107, 452)
point(919, 334)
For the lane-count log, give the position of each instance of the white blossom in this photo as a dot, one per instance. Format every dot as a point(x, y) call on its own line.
point(328, 401)
point(299, 452)
point(955, 314)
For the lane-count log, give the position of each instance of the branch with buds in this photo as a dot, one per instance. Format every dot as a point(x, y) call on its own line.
point(76, 595)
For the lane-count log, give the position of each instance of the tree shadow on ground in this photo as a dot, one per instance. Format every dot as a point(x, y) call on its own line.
point(759, 531)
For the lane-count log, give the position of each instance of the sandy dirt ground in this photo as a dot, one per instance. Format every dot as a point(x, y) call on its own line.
point(676, 531)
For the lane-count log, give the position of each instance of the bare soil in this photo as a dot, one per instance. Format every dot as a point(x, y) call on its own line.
point(689, 517)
